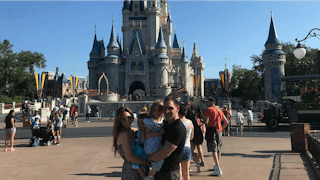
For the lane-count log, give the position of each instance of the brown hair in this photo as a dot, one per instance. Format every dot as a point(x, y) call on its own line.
point(170, 98)
point(143, 116)
point(154, 105)
point(117, 127)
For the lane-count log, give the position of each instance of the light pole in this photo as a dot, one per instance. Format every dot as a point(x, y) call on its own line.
point(300, 52)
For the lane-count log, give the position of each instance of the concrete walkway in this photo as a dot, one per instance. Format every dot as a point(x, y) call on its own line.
point(86, 153)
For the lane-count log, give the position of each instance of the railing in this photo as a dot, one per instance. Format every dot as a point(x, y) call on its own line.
point(314, 144)
point(18, 105)
point(7, 106)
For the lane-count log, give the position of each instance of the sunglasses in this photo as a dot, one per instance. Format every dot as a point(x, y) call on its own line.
point(128, 118)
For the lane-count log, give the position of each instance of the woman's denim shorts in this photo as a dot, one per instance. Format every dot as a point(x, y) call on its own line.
point(186, 155)
point(10, 130)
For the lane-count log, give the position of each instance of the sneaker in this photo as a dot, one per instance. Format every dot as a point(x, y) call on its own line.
point(148, 178)
point(58, 144)
point(190, 169)
point(202, 164)
point(217, 172)
point(241, 133)
point(75, 125)
point(198, 168)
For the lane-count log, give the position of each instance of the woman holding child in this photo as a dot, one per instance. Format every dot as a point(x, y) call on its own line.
point(124, 143)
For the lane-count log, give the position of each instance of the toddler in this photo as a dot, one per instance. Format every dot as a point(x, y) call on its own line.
point(153, 134)
point(239, 121)
point(139, 143)
point(250, 119)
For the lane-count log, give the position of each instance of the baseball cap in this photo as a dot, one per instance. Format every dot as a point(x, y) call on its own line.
point(211, 99)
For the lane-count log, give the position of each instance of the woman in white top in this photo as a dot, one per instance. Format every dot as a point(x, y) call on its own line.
point(186, 156)
point(250, 119)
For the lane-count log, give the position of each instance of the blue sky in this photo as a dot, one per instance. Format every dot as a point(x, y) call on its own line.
point(64, 31)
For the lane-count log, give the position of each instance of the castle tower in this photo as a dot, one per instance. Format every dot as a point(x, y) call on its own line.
point(96, 55)
point(161, 61)
point(175, 50)
point(153, 13)
point(112, 62)
point(184, 68)
point(274, 60)
point(198, 66)
point(125, 24)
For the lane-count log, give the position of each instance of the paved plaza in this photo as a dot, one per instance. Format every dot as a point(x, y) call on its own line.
point(85, 153)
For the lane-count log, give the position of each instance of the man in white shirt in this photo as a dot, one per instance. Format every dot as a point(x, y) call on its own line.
point(88, 113)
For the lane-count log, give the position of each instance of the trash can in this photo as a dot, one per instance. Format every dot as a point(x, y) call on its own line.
point(26, 120)
point(299, 133)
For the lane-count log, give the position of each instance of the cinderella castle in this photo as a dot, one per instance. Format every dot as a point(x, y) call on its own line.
point(145, 60)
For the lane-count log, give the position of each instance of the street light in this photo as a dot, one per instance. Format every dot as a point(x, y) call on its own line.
point(300, 52)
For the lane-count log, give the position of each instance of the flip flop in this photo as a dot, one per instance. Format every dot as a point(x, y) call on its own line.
point(5, 150)
point(12, 149)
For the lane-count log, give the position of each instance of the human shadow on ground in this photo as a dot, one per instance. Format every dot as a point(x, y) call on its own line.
point(246, 155)
point(116, 167)
point(274, 151)
point(113, 174)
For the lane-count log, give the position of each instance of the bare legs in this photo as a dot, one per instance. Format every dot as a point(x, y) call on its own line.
point(12, 140)
point(200, 153)
point(6, 141)
point(241, 128)
point(249, 125)
point(185, 165)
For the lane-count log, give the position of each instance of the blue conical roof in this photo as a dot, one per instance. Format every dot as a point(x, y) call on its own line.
point(160, 42)
point(125, 4)
point(175, 42)
point(273, 37)
point(113, 40)
point(96, 46)
point(183, 56)
point(169, 18)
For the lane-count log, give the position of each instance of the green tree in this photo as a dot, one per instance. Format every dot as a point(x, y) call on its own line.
point(246, 84)
point(17, 70)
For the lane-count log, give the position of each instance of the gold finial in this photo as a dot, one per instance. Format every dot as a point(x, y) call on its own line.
point(226, 62)
point(183, 42)
point(175, 29)
point(95, 30)
point(112, 20)
point(194, 38)
point(169, 9)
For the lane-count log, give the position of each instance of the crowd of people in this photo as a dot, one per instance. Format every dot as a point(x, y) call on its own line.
point(165, 139)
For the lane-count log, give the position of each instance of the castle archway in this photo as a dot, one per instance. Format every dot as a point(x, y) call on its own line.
point(107, 82)
point(137, 88)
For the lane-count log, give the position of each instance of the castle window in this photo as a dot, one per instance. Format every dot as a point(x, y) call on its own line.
point(132, 66)
point(136, 5)
point(136, 13)
point(141, 66)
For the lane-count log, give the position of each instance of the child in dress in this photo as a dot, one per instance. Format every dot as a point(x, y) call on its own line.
point(153, 134)
point(239, 121)
point(139, 144)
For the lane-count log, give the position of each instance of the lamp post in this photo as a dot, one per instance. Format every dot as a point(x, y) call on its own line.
point(300, 52)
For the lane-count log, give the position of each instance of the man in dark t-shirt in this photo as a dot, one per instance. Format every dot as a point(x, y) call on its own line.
point(173, 141)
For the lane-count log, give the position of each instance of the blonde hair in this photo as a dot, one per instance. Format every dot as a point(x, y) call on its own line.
point(154, 105)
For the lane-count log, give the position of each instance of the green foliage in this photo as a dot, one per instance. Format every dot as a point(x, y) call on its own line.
point(246, 84)
point(6, 99)
point(17, 70)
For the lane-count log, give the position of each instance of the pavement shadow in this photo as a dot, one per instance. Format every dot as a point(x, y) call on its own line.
point(116, 167)
point(246, 155)
point(273, 152)
point(113, 174)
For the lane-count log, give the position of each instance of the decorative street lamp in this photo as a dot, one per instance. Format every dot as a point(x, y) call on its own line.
point(300, 52)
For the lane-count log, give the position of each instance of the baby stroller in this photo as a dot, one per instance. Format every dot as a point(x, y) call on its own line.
point(43, 133)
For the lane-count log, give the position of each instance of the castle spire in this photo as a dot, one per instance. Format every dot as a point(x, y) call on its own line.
point(160, 42)
point(195, 49)
point(113, 41)
point(183, 56)
point(175, 40)
point(273, 37)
